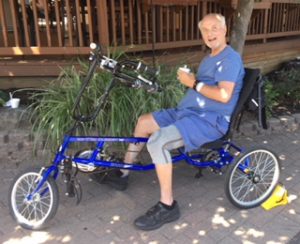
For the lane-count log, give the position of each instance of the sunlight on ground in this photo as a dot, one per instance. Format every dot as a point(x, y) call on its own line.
point(246, 233)
point(282, 157)
point(38, 237)
point(244, 214)
point(181, 226)
point(202, 233)
point(292, 198)
point(115, 219)
point(220, 220)
point(283, 239)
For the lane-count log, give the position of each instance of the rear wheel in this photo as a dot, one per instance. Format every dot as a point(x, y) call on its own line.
point(251, 179)
point(33, 210)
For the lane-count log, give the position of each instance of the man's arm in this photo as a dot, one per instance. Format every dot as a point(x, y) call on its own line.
point(221, 93)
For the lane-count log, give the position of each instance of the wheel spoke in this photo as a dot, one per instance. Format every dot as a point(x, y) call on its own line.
point(41, 210)
point(25, 192)
point(249, 189)
point(248, 186)
point(45, 204)
point(24, 209)
point(241, 186)
point(33, 213)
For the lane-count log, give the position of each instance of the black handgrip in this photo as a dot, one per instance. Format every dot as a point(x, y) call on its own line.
point(142, 68)
point(149, 86)
point(152, 88)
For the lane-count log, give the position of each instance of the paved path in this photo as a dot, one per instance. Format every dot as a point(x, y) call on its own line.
point(106, 215)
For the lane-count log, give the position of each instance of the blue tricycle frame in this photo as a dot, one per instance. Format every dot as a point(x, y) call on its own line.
point(251, 175)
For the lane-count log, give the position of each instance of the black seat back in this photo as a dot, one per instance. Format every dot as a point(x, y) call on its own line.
point(250, 78)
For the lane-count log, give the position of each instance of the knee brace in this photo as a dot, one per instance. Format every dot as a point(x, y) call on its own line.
point(162, 142)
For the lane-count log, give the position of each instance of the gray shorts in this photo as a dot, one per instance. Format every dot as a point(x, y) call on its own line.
point(162, 142)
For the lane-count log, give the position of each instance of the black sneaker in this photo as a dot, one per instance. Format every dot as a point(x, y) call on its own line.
point(112, 178)
point(156, 216)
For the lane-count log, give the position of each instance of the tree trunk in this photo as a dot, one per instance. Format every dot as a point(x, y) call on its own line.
point(241, 20)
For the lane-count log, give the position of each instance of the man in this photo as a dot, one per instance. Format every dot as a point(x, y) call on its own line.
point(202, 116)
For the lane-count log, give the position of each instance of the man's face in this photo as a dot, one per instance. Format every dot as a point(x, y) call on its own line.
point(213, 33)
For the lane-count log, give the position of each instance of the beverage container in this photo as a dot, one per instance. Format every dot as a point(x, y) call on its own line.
point(185, 69)
point(14, 102)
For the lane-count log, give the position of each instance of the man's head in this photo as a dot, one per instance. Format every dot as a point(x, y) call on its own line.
point(213, 30)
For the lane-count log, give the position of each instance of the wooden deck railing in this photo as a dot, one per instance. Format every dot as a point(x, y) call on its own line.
point(66, 27)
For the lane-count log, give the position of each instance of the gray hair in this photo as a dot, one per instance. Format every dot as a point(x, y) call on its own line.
point(219, 17)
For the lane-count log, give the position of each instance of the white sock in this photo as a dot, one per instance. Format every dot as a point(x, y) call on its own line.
point(125, 172)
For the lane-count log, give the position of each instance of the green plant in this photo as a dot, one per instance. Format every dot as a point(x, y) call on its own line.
point(284, 88)
point(4, 97)
point(51, 109)
point(271, 97)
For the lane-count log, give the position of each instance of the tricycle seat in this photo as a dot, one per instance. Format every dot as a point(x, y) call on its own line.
point(251, 77)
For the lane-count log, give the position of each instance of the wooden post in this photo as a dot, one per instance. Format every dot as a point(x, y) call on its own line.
point(130, 8)
point(4, 25)
point(102, 20)
point(90, 21)
point(14, 21)
point(113, 23)
point(47, 17)
point(70, 23)
point(36, 26)
point(58, 24)
point(266, 24)
point(25, 24)
point(123, 22)
point(80, 22)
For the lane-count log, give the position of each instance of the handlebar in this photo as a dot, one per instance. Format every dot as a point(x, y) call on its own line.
point(134, 74)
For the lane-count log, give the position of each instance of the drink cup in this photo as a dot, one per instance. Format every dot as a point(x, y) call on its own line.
point(14, 102)
point(185, 69)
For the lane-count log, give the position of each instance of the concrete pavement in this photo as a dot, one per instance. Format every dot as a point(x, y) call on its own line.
point(106, 215)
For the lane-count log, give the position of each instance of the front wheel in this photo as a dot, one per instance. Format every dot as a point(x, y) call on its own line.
point(33, 211)
point(252, 178)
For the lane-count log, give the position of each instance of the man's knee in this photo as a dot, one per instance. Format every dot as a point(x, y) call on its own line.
point(147, 124)
point(142, 120)
point(154, 140)
point(162, 142)
point(154, 144)
point(156, 148)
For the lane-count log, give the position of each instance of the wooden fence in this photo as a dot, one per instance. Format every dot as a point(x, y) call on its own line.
point(66, 27)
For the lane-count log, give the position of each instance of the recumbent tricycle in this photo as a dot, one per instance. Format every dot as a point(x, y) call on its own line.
point(251, 176)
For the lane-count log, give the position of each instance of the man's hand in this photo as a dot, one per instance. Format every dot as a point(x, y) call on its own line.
point(187, 79)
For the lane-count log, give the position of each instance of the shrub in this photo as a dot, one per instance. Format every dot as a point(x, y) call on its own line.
point(283, 89)
point(271, 97)
point(4, 97)
point(51, 109)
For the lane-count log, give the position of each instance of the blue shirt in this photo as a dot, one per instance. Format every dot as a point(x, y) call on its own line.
point(201, 119)
point(226, 66)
